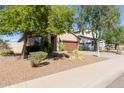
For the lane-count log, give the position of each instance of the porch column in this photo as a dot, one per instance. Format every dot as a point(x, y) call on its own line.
point(57, 44)
point(49, 38)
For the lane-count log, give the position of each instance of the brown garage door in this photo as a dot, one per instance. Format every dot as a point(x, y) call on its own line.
point(70, 45)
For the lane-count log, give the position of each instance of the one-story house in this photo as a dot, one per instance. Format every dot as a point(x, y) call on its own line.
point(69, 40)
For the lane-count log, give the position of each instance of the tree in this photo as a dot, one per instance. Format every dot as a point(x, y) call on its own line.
point(35, 20)
point(22, 18)
point(60, 19)
point(115, 36)
point(98, 19)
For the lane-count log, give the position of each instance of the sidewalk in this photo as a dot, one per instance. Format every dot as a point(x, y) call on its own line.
point(94, 75)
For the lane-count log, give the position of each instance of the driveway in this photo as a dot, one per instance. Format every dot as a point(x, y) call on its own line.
point(99, 74)
point(102, 54)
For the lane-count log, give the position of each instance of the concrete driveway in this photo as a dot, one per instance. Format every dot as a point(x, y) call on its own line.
point(99, 74)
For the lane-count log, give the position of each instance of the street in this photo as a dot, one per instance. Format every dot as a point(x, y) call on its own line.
point(118, 83)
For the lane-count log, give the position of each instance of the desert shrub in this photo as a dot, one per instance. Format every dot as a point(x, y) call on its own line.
point(61, 46)
point(37, 57)
point(3, 45)
point(81, 48)
point(46, 46)
point(75, 54)
point(108, 47)
point(41, 47)
point(5, 52)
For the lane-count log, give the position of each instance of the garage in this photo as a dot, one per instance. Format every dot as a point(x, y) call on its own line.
point(70, 41)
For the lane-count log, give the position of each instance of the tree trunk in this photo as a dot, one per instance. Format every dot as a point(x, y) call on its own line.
point(95, 45)
point(115, 46)
point(118, 48)
point(44, 40)
point(24, 47)
point(97, 48)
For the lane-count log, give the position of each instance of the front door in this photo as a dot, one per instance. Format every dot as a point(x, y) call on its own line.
point(54, 42)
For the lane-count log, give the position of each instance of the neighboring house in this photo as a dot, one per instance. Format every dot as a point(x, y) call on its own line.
point(87, 41)
point(31, 41)
point(16, 47)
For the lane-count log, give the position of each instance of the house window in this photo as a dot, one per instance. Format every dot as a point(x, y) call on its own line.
point(37, 40)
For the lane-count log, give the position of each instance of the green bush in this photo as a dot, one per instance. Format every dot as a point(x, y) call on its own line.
point(81, 48)
point(33, 48)
point(37, 57)
point(2, 42)
point(61, 46)
point(46, 46)
point(5, 52)
point(40, 47)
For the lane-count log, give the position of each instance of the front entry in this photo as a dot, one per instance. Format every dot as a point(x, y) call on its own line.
point(54, 42)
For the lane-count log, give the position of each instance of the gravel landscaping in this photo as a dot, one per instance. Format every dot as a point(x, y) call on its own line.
point(15, 70)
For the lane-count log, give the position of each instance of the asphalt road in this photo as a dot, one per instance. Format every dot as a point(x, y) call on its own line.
point(118, 83)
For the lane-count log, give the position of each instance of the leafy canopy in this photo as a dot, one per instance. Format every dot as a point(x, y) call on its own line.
point(34, 20)
point(115, 36)
point(60, 19)
point(98, 18)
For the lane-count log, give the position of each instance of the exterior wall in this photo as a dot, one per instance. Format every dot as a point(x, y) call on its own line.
point(87, 33)
point(68, 37)
point(57, 43)
point(34, 40)
point(69, 40)
point(16, 47)
point(86, 43)
point(30, 42)
point(69, 46)
point(102, 45)
point(78, 33)
point(122, 47)
point(85, 40)
point(49, 38)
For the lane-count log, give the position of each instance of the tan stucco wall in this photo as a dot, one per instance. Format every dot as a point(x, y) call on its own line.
point(16, 47)
point(68, 37)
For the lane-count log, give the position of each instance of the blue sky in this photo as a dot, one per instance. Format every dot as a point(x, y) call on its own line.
point(121, 8)
point(122, 14)
point(16, 36)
